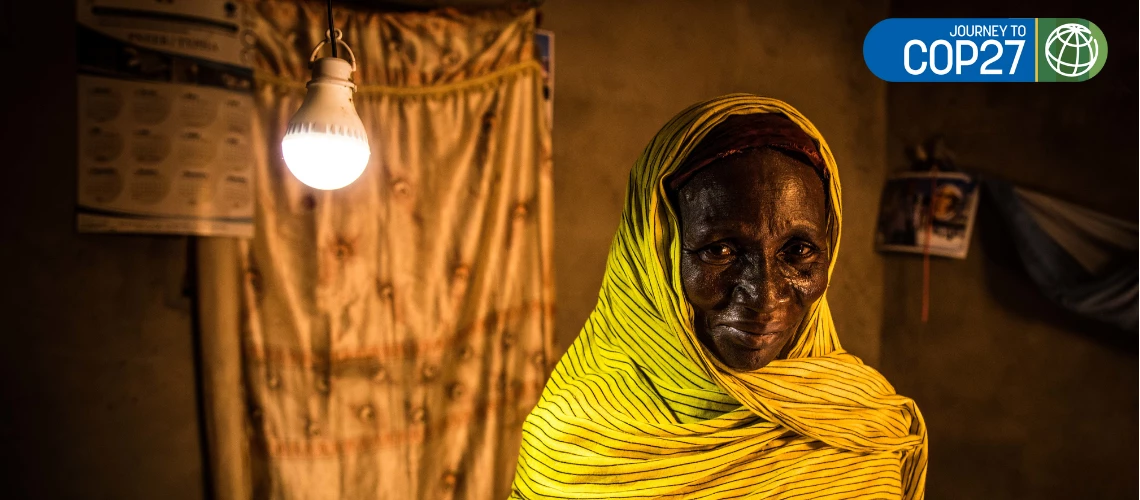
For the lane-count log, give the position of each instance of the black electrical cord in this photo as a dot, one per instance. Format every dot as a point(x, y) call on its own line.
point(332, 30)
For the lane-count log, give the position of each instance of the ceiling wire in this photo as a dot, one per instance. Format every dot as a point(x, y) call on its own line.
point(332, 30)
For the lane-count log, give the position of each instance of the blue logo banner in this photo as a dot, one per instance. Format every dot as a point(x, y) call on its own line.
point(952, 50)
point(985, 50)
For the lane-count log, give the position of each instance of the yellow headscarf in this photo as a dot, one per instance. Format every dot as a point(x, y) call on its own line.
point(638, 408)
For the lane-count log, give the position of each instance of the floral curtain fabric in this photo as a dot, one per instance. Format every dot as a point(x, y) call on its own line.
point(394, 333)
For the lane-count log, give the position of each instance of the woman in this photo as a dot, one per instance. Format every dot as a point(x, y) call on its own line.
point(710, 367)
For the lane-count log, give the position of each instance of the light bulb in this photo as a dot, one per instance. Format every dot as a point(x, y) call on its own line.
point(325, 145)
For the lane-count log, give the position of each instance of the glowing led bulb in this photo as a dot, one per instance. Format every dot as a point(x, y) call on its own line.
point(325, 145)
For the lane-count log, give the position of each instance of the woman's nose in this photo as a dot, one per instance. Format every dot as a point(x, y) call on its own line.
point(760, 286)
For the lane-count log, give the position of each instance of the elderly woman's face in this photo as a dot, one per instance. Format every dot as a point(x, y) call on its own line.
point(754, 253)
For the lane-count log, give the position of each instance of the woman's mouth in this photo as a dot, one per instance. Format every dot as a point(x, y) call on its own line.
point(751, 334)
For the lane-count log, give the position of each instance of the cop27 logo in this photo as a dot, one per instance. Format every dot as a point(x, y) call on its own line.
point(955, 53)
point(985, 50)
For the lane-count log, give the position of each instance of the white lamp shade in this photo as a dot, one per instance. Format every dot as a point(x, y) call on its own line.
point(325, 145)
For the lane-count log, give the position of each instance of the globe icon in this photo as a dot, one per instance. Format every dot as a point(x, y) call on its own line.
point(1071, 50)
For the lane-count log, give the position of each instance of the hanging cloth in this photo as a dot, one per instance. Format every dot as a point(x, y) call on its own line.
point(1083, 260)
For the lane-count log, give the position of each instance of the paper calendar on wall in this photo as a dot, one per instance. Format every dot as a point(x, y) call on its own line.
point(165, 110)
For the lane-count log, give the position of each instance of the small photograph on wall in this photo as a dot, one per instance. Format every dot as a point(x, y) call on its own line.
point(927, 212)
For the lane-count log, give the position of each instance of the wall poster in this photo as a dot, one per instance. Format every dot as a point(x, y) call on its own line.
point(165, 111)
point(924, 212)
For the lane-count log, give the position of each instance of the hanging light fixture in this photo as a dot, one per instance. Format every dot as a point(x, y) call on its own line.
point(325, 145)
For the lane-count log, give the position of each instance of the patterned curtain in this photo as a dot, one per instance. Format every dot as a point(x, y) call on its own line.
point(394, 333)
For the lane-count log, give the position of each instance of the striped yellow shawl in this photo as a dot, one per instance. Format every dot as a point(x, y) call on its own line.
point(638, 408)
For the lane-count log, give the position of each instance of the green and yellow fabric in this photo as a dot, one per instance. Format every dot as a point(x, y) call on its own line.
point(638, 408)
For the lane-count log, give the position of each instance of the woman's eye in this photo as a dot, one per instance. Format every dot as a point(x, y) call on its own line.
point(801, 250)
point(717, 254)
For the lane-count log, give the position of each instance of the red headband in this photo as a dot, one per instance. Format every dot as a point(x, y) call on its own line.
point(739, 133)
